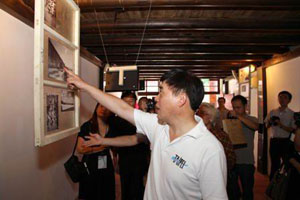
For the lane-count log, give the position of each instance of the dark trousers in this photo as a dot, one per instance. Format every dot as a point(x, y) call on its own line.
point(132, 186)
point(245, 172)
point(133, 167)
point(278, 149)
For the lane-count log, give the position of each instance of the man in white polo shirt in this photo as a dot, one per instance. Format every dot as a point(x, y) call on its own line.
point(187, 161)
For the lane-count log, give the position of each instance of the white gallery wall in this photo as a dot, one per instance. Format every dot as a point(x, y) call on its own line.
point(28, 172)
point(283, 76)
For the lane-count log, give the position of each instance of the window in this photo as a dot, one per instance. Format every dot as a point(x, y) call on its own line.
point(151, 88)
point(211, 86)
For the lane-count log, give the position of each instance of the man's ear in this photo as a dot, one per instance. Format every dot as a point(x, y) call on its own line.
point(182, 99)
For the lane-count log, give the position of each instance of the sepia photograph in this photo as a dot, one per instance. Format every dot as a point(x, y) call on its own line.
point(50, 13)
point(67, 101)
point(55, 63)
point(52, 112)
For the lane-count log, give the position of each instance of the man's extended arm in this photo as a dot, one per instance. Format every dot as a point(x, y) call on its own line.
point(111, 102)
point(121, 141)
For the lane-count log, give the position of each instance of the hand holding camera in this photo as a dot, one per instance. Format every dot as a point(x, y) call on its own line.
point(274, 121)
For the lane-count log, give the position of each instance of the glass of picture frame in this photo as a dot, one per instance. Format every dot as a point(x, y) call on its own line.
point(56, 45)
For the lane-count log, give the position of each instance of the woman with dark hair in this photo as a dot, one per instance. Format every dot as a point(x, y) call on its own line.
point(100, 183)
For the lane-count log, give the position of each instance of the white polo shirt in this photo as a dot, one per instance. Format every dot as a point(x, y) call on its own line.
point(190, 167)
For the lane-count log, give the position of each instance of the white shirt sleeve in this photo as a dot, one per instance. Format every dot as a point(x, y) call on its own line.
point(213, 179)
point(145, 123)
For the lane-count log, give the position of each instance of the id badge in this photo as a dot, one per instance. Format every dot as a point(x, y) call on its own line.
point(102, 162)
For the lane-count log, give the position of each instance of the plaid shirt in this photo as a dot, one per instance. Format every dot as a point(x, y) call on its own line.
point(227, 145)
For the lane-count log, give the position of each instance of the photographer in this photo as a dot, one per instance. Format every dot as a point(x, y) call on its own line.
point(280, 123)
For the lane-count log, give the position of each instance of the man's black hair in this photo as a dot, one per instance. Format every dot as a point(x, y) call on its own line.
point(180, 80)
point(222, 98)
point(142, 98)
point(128, 93)
point(241, 98)
point(286, 93)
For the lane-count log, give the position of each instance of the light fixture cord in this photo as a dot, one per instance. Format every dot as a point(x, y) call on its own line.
point(100, 33)
point(149, 11)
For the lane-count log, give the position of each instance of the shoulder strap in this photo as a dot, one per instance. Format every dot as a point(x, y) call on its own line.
point(75, 145)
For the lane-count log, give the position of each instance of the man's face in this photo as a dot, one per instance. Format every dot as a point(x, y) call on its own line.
point(165, 102)
point(238, 107)
point(203, 112)
point(130, 101)
point(283, 99)
point(221, 102)
point(143, 105)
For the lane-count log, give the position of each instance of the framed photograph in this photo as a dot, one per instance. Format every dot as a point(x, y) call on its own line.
point(244, 74)
point(56, 45)
point(244, 89)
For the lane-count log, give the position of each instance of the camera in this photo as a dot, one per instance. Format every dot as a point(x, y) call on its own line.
point(273, 120)
point(151, 104)
point(297, 119)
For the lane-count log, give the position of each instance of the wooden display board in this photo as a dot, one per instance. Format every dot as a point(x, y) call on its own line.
point(233, 127)
point(56, 45)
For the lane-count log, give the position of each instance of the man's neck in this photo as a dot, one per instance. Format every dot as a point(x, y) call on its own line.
point(282, 108)
point(180, 125)
point(222, 108)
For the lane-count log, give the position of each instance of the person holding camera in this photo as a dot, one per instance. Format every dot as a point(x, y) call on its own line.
point(280, 123)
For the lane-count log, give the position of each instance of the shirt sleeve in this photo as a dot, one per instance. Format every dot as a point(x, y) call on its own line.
point(213, 179)
point(145, 123)
point(84, 130)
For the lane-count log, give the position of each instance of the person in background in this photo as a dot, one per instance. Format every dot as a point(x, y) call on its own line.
point(280, 123)
point(222, 110)
point(244, 168)
point(132, 160)
point(143, 104)
point(100, 184)
point(210, 116)
point(187, 161)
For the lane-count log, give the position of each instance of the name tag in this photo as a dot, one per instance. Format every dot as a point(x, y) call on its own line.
point(102, 162)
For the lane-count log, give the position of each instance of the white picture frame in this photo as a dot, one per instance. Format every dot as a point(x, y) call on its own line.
point(56, 45)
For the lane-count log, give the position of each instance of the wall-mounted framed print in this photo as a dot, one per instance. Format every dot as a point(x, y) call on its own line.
point(244, 89)
point(56, 45)
point(244, 74)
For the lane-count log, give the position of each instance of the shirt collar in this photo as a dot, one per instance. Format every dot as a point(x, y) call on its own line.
point(198, 130)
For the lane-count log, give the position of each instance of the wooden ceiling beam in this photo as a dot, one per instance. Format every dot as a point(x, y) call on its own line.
point(157, 76)
point(192, 40)
point(187, 30)
point(183, 56)
point(191, 49)
point(203, 23)
point(187, 54)
point(145, 71)
point(111, 5)
point(188, 67)
point(180, 62)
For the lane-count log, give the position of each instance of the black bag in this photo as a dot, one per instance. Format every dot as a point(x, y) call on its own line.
point(277, 188)
point(76, 169)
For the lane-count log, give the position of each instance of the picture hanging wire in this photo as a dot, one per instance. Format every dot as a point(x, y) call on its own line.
point(143, 35)
point(149, 11)
point(100, 33)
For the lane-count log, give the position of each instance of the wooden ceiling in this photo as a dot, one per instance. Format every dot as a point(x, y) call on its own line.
point(208, 37)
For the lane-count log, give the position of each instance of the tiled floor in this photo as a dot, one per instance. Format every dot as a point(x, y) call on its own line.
point(260, 185)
